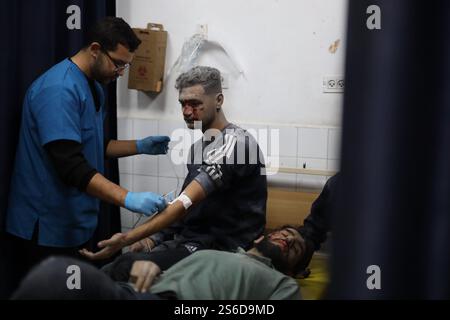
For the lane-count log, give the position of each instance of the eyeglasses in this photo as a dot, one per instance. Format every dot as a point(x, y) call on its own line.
point(119, 66)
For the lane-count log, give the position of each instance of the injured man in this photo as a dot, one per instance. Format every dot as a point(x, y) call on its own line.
point(263, 272)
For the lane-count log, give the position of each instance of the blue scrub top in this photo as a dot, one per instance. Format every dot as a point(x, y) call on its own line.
point(58, 105)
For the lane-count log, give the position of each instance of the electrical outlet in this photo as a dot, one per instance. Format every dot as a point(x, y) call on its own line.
point(333, 83)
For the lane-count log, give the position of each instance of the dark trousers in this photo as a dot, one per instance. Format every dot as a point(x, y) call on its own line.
point(27, 253)
point(51, 279)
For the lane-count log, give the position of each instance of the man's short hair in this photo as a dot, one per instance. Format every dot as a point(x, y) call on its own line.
point(111, 31)
point(301, 268)
point(208, 77)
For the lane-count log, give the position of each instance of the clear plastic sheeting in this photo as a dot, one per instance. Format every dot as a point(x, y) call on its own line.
point(191, 51)
point(189, 54)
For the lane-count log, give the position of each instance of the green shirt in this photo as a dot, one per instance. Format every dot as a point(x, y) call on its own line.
point(220, 275)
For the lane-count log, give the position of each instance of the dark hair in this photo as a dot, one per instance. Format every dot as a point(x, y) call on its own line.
point(111, 31)
point(301, 268)
point(209, 78)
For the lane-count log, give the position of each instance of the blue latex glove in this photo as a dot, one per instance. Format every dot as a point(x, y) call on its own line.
point(153, 145)
point(147, 203)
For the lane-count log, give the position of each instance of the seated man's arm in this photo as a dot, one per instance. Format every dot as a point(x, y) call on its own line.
point(147, 244)
point(173, 212)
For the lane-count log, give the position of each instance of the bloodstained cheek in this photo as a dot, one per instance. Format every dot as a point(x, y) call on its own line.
point(197, 111)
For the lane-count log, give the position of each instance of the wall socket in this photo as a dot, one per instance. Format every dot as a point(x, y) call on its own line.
point(333, 83)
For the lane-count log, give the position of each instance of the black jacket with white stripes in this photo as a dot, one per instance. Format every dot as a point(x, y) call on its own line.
point(229, 165)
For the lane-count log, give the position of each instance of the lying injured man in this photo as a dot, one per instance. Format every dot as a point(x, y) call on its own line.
point(263, 272)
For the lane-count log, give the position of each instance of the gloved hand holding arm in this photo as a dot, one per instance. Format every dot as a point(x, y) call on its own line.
point(146, 203)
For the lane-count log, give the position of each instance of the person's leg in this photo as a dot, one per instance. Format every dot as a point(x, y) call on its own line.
point(27, 253)
point(15, 264)
point(56, 278)
point(35, 253)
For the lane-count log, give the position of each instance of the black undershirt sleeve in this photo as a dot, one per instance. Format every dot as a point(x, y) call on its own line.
point(70, 163)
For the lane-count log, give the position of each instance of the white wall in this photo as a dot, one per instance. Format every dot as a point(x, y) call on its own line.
point(282, 46)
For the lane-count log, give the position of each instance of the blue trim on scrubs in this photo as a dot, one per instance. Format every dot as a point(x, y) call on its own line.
point(58, 105)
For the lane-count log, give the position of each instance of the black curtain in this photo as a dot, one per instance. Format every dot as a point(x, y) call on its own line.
point(35, 37)
point(394, 204)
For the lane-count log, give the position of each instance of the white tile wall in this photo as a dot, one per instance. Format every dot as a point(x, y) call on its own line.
point(288, 162)
point(334, 143)
point(144, 128)
point(166, 185)
point(126, 181)
point(180, 184)
point(176, 130)
point(167, 167)
point(125, 128)
point(287, 143)
point(312, 143)
point(333, 165)
point(306, 182)
point(262, 137)
point(145, 164)
point(285, 180)
point(312, 163)
point(145, 183)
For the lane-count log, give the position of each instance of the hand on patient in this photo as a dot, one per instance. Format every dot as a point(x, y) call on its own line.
point(153, 145)
point(144, 245)
point(110, 247)
point(142, 275)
